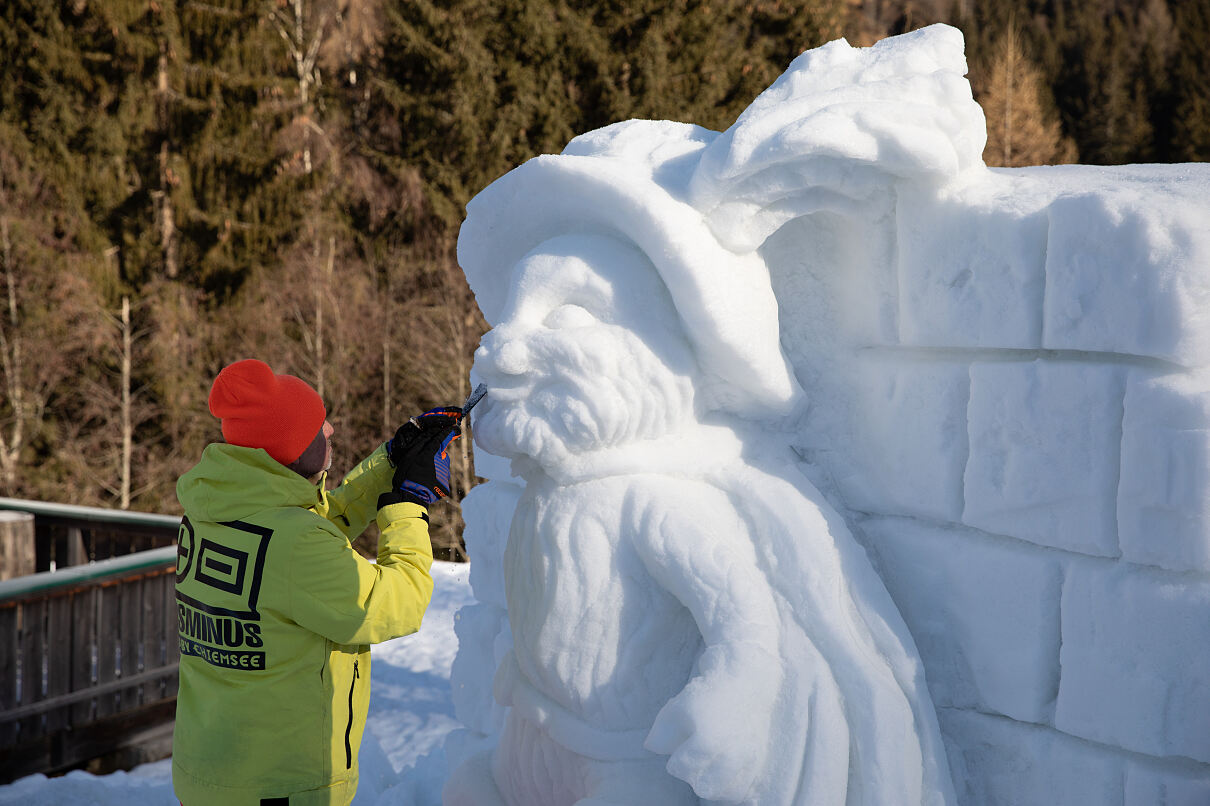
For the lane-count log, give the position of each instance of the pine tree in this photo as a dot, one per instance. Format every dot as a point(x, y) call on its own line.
point(1097, 80)
point(475, 88)
point(1009, 88)
point(47, 321)
point(1191, 81)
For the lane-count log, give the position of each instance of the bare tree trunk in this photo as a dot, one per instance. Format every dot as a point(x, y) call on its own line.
point(11, 358)
point(319, 337)
point(127, 420)
point(323, 290)
point(292, 29)
point(386, 386)
point(168, 243)
point(1010, 66)
point(167, 218)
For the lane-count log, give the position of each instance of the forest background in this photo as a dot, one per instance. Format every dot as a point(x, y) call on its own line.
point(186, 183)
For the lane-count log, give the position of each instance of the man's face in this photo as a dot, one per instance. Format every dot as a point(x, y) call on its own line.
point(328, 432)
point(589, 354)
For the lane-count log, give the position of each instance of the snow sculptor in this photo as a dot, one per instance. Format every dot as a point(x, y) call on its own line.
point(690, 619)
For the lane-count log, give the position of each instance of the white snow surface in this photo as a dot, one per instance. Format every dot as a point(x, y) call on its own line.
point(826, 466)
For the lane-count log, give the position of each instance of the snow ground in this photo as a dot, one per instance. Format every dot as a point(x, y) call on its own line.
point(410, 714)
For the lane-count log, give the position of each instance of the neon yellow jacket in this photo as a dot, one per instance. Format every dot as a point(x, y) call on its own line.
point(276, 613)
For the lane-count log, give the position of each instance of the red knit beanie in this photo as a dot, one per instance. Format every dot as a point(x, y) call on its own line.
point(260, 409)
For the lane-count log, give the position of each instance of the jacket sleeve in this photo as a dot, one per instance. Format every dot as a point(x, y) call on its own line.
point(338, 594)
point(352, 504)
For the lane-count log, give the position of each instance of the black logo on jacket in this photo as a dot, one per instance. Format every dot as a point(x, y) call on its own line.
point(216, 622)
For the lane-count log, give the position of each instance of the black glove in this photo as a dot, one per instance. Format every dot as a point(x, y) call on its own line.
point(418, 426)
point(422, 463)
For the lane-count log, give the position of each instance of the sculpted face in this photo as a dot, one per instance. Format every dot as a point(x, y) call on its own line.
point(589, 354)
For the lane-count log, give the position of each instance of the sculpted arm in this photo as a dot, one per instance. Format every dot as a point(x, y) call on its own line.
point(695, 544)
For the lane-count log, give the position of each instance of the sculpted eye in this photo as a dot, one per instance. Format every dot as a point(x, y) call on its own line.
point(568, 316)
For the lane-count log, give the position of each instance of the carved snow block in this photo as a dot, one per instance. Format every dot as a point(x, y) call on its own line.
point(1163, 509)
point(1045, 439)
point(999, 762)
point(820, 307)
point(986, 290)
point(1133, 657)
point(1127, 275)
point(910, 427)
point(984, 614)
point(1170, 782)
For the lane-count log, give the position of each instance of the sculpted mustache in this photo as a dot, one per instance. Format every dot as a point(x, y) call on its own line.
point(646, 394)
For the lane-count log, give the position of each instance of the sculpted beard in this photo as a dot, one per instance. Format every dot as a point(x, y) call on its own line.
point(590, 388)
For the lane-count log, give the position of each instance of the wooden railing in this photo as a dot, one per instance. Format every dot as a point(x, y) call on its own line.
point(88, 655)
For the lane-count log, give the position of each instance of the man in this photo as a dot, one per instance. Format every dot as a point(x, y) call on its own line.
point(276, 611)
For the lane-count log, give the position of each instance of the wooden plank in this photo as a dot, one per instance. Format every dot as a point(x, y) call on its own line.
point(18, 553)
point(108, 647)
point(58, 547)
point(43, 706)
point(154, 651)
point(77, 552)
point(171, 641)
point(51, 754)
point(148, 542)
point(101, 545)
point(131, 638)
point(33, 649)
point(83, 651)
point(9, 659)
point(58, 670)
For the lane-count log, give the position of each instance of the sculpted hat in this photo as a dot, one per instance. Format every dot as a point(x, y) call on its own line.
point(608, 182)
point(261, 409)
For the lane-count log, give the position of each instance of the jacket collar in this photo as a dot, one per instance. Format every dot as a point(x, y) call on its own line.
point(231, 482)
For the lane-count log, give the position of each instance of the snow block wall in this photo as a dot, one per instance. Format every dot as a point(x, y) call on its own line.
point(1001, 382)
point(1025, 457)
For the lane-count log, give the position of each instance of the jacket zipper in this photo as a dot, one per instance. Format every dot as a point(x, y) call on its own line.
point(349, 727)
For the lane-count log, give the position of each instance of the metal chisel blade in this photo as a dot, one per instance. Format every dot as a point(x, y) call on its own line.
point(478, 394)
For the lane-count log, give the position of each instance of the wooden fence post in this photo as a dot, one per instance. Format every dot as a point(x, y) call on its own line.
point(18, 555)
point(77, 553)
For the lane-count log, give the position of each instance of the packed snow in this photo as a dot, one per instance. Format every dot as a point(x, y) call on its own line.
point(825, 465)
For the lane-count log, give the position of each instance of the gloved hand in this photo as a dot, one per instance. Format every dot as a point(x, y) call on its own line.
point(432, 420)
point(422, 460)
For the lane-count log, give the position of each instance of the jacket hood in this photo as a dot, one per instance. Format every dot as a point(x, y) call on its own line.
point(231, 482)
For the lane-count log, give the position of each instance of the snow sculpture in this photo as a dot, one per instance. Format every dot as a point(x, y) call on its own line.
point(690, 620)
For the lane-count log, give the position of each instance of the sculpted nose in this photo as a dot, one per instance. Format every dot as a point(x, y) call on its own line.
point(503, 351)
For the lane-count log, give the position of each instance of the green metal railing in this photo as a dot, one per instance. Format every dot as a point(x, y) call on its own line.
point(72, 535)
point(82, 575)
point(91, 515)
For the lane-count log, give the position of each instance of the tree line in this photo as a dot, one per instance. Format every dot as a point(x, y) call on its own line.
point(1100, 82)
point(188, 182)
